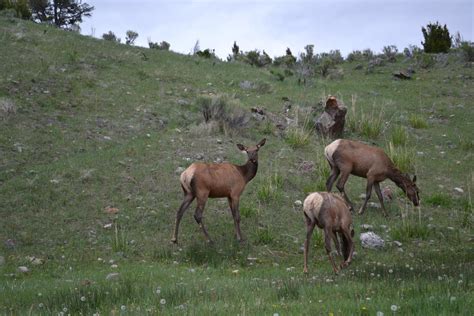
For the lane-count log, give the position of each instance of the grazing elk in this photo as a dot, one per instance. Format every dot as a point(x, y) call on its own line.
point(331, 213)
point(208, 180)
point(351, 157)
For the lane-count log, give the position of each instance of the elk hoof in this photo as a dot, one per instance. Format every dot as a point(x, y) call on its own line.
point(174, 241)
point(305, 270)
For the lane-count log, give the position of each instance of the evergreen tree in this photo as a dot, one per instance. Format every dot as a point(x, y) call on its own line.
point(437, 38)
point(62, 13)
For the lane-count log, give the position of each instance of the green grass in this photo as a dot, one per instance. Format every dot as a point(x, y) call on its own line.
point(95, 124)
point(416, 121)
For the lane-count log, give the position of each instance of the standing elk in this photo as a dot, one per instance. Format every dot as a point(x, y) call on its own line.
point(351, 157)
point(331, 213)
point(209, 180)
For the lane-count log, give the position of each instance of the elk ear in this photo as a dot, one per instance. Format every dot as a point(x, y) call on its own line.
point(414, 179)
point(241, 147)
point(261, 143)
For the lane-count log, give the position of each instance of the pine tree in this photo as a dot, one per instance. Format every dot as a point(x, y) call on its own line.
point(437, 38)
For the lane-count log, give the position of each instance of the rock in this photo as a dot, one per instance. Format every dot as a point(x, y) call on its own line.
point(298, 203)
point(199, 156)
point(371, 240)
point(179, 170)
point(10, 243)
point(246, 85)
point(366, 227)
point(404, 75)
point(362, 196)
point(112, 276)
point(2, 260)
point(397, 243)
point(459, 190)
point(23, 269)
point(331, 122)
point(111, 210)
point(374, 205)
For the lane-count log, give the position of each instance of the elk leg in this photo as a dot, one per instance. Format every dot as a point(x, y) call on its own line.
point(348, 247)
point(309, 231)
point(234, 208)
point(380, 196)
point(328, 236)
point(188, 199)
point(337, 243)
point(368, 193)
point(332, 177)
point(198, 217)
point(340, 186)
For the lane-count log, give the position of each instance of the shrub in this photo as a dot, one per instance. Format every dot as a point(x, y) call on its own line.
point(130, 37)
point(110, 36)
point(225, 112)
point(20, 8)
point(417, 121)
point(409, 230)
point(425, 61)
point(390, 53)
point(205, 53)
point(437, 38)
point(161, 46)
point(467, 49)
point(354, 56)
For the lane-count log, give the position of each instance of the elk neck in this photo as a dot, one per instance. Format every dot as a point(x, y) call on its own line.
point(399, 178)
point(249, 170)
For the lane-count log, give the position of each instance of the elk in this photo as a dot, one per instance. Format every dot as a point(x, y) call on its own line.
point(351, 157)
point(201, 181)
point(331, 213)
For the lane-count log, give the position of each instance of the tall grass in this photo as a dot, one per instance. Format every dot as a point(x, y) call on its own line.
point(270, 188)
point(399, 136)
point(299, 133)
point(403, 157)
point(416, 121)
point(368, 124)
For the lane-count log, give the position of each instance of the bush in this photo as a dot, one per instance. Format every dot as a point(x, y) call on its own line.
point(224, 112)
point(20, 8)
point(161, 46)
point(390, 53)
point(467, 49)
point(110, 36)
point(205, 53)
point(369, 125)
point(130, 37)
point(355, 55)
point(424, 61)
point(437, 38)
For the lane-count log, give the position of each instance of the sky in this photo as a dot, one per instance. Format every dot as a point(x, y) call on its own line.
point(274, 25)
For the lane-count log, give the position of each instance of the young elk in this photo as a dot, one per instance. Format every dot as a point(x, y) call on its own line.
point(330, 212)
point(207, 180)
point(351, 157)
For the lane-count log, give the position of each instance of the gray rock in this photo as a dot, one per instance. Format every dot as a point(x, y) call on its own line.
point(362, 196)
point(371, 240)
point(397, 243)
point(332, 120)
point(246, 85)
point(366, 227)
point(298, 203)
point(459, 190)
point(374, 205)
point(112, 276)
point(23, 269)
point(2, 260)
point(199, 156)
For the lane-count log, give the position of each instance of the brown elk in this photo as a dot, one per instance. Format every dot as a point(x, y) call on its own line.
point(209, 180)
point(331, 213)
point(351, 157)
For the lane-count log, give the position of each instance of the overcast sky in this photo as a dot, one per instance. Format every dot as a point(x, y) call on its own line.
point(274, 25)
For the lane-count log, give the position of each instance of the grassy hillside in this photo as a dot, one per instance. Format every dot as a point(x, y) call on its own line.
point(93, 135)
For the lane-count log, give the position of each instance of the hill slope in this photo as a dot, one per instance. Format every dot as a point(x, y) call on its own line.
point(93, 134)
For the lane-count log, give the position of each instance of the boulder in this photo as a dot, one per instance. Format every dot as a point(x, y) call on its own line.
point(371, 240)
point(332, 120)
